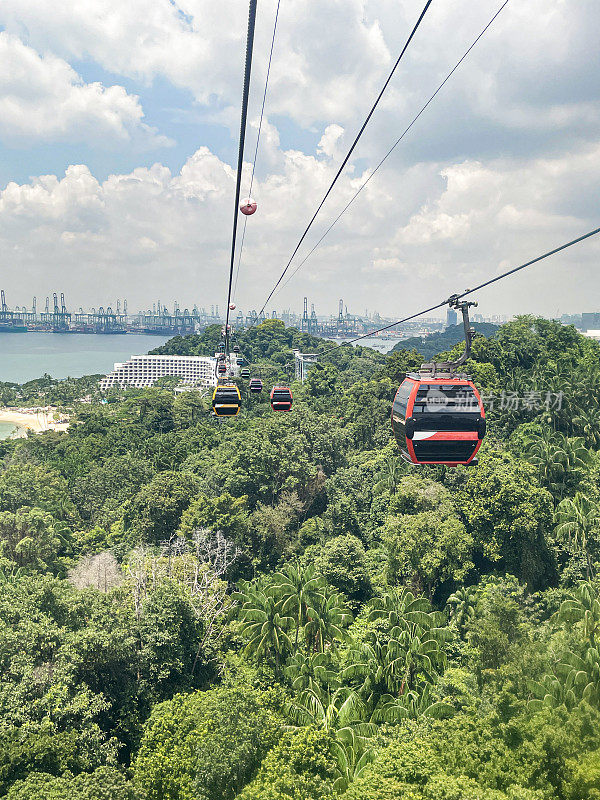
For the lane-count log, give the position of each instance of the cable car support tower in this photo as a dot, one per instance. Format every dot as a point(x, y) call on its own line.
point(449, 369)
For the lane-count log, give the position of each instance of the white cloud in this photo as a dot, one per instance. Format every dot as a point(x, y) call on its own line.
point(198, 45)
point(503, 165)
point(528, 86)
point(329, 143)
point(152, 234)
point(330, 57)
point(43, 99)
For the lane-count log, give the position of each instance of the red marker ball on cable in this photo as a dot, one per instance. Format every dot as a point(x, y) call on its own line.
point(248, 206)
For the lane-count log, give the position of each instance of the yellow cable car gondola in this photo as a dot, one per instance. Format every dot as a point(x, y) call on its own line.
point(226, 400)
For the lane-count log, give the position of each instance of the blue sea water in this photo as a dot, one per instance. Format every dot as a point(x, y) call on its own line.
point(25, 356)
point(6, 428)
point(376, 342)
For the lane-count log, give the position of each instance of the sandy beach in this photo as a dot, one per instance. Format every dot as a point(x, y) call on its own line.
point(31, 421)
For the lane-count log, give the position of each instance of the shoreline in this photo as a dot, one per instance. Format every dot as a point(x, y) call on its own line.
point(30, 422)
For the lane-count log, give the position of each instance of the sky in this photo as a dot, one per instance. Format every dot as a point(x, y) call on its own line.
point(119, 125)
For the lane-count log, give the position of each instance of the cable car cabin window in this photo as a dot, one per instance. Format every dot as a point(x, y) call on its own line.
point(455, 451)
point(227, 411)
point(446, 408)
point(401, 399)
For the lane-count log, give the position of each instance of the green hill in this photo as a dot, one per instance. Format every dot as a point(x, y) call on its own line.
point(429, 346)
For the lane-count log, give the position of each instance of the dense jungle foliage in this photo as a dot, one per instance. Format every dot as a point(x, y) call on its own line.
point(277, 607)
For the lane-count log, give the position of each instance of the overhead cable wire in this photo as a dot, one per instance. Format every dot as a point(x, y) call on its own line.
point(393, 147)
point(467, 292)
point(262, 112)
point(246, 92)
point(350, 151)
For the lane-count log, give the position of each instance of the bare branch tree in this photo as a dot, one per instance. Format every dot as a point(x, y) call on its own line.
point(198, 566)
point(100, 571)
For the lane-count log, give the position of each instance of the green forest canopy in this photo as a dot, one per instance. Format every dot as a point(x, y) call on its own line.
point(278, 607)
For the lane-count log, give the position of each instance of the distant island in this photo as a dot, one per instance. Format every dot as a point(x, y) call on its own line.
point(434, 343)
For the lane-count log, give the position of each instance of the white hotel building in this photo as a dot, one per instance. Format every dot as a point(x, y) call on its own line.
point(141, 371)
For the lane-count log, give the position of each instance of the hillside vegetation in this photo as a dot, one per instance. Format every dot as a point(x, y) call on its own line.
point(277, 607)
point(434, 343)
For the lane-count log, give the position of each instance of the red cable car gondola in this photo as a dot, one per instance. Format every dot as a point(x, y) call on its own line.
point(437, 414)
point(256, 385)
point(281, 398)
point(438, 421)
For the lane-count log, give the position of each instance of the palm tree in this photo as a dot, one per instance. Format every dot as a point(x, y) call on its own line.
point(400, 608)
point(550, 693)
point(577, 521)
point(263, 625)
point(413, 705)
point(575, 679)
point(298, 591)
point(462, 608)
point(367, 672)
point(344, 714)
point(417, 636)
point(578, 456)
point(415, 658)
point(587, 421)
point(327, 618)
point(582, 673)
point(312, 672)
point(382, 671)
point(516, 385)
point(389, 477)
point(583, 606)
point(546, 452)
point(388, 669)
point(351, 760)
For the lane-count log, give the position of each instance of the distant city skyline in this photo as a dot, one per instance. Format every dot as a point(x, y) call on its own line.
point(214, 309)
point(218, 309)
